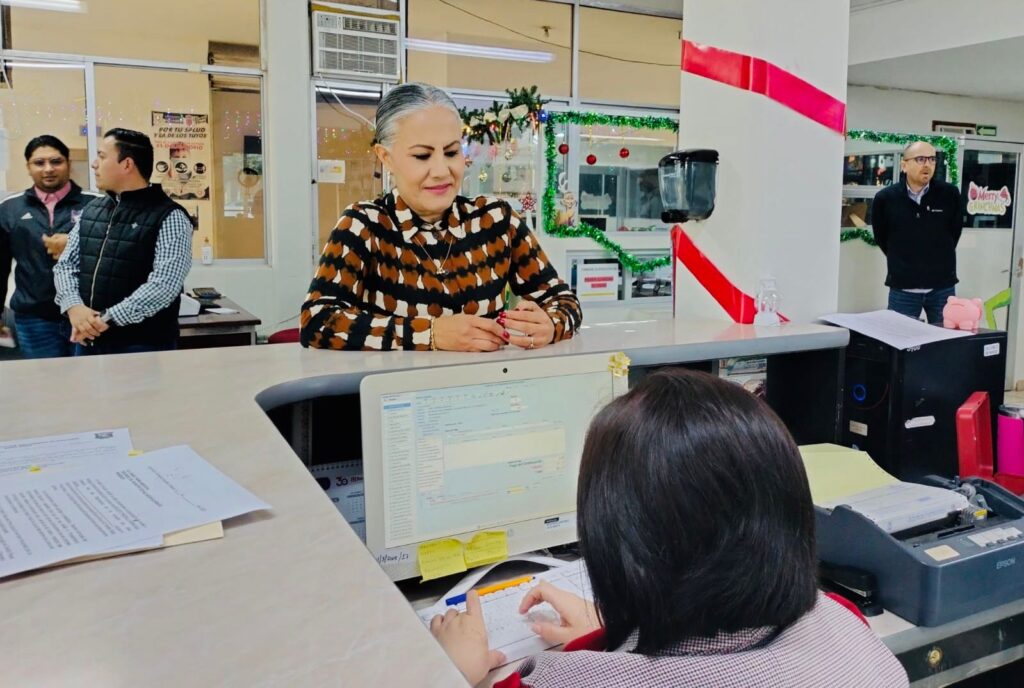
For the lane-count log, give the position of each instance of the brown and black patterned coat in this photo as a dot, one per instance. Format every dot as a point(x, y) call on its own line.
point(385, 274)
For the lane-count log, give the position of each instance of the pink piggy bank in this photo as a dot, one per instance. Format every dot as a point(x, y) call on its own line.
point(963, 314)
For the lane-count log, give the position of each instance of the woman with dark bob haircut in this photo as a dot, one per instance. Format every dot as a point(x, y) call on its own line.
point(697, 528)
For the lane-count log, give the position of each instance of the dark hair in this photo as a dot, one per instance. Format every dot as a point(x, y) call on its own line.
point(135, 145)
point(695, 515)
point(49, 141)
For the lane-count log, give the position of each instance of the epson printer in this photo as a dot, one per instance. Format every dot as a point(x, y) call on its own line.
point(939, 550)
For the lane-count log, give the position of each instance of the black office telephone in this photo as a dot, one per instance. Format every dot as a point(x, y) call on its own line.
point(206, 293)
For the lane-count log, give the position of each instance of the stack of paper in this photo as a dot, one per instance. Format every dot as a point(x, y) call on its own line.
point(840, 475)
point(74, 497)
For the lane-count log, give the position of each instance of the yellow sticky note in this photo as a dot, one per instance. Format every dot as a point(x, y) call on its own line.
point(441, 558)
point(136, 452)
point(487, 548)
point(34, 469)
point(618, 365)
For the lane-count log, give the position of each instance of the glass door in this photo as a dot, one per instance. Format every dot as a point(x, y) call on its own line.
point(988, 249)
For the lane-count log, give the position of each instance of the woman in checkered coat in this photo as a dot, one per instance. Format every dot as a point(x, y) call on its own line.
point(425, 268)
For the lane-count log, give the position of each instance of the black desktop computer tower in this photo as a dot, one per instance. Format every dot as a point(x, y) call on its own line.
point(900, 406)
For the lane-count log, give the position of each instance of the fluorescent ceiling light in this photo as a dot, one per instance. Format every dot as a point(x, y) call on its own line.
point(485, 51)
point(42, 65)
point(55, 5)
point(619, 138)
point(366, 95)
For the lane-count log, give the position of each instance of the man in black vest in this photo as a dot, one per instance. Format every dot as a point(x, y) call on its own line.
point(121, 276)
point(917, 224)
point(34, 228)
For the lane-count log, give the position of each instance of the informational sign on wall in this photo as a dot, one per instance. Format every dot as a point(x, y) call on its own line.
point(181, 165)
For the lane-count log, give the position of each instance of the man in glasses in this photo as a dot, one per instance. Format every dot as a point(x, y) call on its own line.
point(917, 224)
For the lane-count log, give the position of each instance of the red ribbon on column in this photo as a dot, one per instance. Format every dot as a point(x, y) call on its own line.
point(758, 76)
point(738, 304)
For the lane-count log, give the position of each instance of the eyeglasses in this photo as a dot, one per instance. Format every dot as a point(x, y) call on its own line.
point(922, 159)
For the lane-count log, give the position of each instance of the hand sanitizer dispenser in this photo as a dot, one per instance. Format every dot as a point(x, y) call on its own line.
point(687, 181)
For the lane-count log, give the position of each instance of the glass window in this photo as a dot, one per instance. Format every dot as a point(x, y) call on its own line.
point(875, 169)
point(195, 31)
point(855, 212)
point(206, 132)
point(656, 282)
point(509, 169)
point(344, 154)
point(629, 71)
point(489, 45)
point(619, 192)
point(47, 98)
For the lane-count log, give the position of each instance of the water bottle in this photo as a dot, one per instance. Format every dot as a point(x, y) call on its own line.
point(766, 303)
point(207, 252)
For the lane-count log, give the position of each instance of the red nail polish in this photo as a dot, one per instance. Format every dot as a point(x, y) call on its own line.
point(505, 335)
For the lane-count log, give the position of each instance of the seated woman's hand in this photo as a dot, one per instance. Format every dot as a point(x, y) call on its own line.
point(579, 617)
point(527, 317)
point(464, 639)
point(462, 332)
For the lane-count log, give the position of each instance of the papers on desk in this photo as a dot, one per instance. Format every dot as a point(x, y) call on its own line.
point(221, 310)
point(63, 451)
point(100, 505)
point(840, 475)
point(896, 330)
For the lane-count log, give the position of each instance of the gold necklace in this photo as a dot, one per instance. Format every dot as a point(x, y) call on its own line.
point(441, 271)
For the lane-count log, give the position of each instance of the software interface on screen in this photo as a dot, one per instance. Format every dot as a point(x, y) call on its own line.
point(468, 458)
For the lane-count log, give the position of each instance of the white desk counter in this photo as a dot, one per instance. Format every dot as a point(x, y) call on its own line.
point(286, 598)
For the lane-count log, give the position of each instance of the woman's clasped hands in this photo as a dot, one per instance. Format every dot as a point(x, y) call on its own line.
point(526, 326)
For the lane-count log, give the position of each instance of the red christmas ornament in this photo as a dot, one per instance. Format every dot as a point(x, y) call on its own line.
point(563, 148)
point(623, 153)
point(591, 159)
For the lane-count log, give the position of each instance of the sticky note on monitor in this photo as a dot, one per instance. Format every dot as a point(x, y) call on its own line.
point(439, 558)
point(487, 548)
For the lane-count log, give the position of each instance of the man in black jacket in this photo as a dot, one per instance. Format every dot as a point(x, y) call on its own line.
point(917, 224)
point(34, 226)
point(120, 278)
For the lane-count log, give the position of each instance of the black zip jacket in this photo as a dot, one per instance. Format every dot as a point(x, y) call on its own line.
point(24, 221)
point(919, 241)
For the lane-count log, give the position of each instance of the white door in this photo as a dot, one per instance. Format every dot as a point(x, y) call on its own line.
point(989, 248)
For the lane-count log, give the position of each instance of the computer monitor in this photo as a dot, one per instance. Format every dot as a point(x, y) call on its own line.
point(450, 452)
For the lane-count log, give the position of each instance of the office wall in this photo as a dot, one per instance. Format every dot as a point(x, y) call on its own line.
point(884, 109)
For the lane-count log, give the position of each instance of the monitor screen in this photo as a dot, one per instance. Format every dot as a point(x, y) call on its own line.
point(455, 451)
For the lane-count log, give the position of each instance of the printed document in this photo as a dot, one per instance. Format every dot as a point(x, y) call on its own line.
point(64, 451)
point(50, 517)
point(896, 330)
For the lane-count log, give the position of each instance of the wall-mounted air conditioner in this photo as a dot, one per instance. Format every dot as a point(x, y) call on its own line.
point(357, 42)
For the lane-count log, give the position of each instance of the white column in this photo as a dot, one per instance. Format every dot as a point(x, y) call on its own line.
point(780, 173)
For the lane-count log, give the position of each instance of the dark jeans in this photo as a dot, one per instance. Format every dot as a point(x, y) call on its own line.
point(42, 338)
point(98, 348)
point(908, 303)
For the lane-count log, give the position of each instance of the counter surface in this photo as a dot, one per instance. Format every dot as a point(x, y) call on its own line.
point(286, 598)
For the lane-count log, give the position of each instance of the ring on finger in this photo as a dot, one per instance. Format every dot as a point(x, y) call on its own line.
point(531, 341)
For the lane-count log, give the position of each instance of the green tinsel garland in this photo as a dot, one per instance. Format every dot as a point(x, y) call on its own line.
point(862, 234)
point(635, 265)
point(946, 144)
